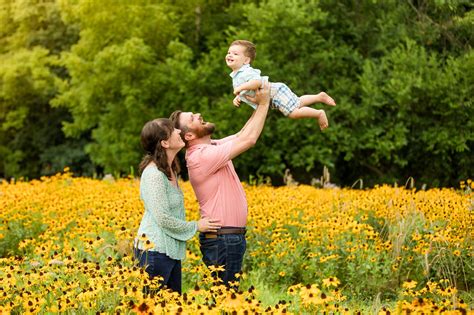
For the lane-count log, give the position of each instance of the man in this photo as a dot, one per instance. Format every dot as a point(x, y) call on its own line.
point(217, 187)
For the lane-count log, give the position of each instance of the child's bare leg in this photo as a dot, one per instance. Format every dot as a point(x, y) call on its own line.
point(308, 112)
point(322, 97)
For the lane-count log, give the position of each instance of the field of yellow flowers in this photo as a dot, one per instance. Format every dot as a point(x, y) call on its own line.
point(66, 247)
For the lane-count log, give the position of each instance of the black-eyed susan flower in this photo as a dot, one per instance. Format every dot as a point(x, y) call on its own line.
point(409, 284)
point(331, 281)
point(147, 245)
point(143, 238)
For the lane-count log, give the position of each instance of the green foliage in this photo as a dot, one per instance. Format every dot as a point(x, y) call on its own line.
point(366, 266)
point(120, 73)
point(425, 115)
point(31, 141)
point(29, 126)
point(401, 74)
point(16, 231)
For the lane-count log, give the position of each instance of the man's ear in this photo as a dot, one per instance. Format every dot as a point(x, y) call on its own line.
point(188, 136)
point(165, 144)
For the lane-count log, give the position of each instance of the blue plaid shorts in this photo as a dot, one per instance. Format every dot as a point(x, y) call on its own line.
point(283, 98)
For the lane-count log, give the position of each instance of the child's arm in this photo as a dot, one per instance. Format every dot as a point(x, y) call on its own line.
point(236, 101)
point(249, 85)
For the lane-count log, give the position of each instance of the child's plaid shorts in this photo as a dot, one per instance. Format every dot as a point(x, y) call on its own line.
point(283, 98)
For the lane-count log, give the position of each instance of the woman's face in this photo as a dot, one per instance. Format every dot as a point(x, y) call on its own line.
point(175, 141)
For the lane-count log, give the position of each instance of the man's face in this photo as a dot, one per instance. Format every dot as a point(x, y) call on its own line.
point(196, 124)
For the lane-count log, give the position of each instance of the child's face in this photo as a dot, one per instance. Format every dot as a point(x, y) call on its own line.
point(236, 58)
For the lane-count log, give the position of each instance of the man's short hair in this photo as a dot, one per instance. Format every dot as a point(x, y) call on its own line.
point(174, 117)
point(250, 50)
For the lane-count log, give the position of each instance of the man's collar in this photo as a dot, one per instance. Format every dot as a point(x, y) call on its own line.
point(198, 143)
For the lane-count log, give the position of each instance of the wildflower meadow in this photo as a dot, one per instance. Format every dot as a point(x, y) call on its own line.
point(66, 247)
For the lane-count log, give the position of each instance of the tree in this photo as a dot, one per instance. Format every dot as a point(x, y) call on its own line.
point(31, 36)
point(126, 69)
point(401, 73)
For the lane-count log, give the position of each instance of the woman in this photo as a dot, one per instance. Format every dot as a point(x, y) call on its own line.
point(161, 239)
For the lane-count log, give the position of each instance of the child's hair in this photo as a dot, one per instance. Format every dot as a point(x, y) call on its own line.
point(250, 50)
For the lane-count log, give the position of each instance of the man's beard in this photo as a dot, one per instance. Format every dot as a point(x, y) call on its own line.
point(204, 130)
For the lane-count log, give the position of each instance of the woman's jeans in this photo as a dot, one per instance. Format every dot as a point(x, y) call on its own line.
point(158, 264)
point(225, 250)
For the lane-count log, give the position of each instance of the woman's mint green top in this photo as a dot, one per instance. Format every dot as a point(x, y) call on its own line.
point(164, 222)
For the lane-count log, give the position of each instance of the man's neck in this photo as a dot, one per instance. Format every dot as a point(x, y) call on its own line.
point(202, 140)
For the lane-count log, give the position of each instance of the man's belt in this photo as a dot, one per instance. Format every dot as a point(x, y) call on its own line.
point(226, 230)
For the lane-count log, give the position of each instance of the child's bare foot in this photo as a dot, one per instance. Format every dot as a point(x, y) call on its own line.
point(326, 99)
point(323, 120)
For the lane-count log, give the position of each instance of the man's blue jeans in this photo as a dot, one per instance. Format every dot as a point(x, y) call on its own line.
point(227, 250)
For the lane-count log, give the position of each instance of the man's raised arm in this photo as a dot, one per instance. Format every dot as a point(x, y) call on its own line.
point(249, 135)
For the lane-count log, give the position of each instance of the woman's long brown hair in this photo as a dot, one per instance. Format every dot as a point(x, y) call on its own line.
point(153, 132)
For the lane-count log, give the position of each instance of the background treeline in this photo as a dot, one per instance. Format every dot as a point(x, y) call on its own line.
point(78, 79)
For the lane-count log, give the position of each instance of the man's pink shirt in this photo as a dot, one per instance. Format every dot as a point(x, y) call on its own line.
point(217, 187)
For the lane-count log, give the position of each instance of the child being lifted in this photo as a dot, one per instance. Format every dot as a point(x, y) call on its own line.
point(246, 80)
